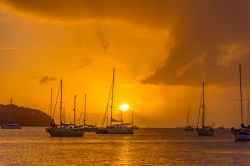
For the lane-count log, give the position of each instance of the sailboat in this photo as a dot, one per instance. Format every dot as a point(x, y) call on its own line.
point(132, 122)
point(243, 133)
point(188, 126)
point(86, 127)
point(204, 130)
point(63, 130)
point(10, 124)
point(103, 129)
point(115, 126)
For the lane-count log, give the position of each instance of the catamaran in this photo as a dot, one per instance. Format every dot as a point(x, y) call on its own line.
point(188, 126)
point(113, 126)
point(10, 124)
point(243, 133)
point(204, 130)
point(64, 130)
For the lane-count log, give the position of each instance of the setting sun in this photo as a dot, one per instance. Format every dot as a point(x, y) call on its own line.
point(124, 107)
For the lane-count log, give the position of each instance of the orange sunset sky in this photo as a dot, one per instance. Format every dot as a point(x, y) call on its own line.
point(162, 51)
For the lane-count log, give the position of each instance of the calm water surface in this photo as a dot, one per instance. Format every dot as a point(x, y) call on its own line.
point(32, 146)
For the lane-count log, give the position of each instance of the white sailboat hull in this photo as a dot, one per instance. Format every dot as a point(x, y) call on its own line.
point(119, 129)
point(242, 134)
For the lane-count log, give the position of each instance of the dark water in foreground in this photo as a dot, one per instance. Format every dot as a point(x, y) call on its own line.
point(32, 146)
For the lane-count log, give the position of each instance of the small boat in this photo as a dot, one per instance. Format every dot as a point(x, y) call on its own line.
point(10, 124)
point(243, 133)
point(111, 128)
point(188, 126)
point(204, 130)
point(64, 130)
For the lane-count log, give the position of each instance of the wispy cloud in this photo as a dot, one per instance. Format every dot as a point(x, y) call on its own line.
point(46, 79)
point(103, 39)
point(85, 61)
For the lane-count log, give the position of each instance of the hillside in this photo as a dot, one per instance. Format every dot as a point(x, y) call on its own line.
point(24, 116)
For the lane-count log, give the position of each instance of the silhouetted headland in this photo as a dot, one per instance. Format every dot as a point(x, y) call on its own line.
point(24, 116)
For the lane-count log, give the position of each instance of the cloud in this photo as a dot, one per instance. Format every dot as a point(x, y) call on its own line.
point(217, 29)
point(146, 12)
point(210, 37)
point(85, 61)
point(103, 39)
point(47, 79)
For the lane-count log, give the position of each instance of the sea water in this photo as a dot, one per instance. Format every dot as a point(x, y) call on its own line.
point(32, 146)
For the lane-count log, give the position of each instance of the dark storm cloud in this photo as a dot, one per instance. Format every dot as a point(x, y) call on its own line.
point(210, 36)
point(143, 12)
point(139, 12)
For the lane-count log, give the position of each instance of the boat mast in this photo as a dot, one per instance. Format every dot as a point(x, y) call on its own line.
point(241, 105)
point(203, 106)
point(85, 106)
point(248, 111)
point(106, 116)
point(112, 96)
point(61, 105)
point(63, 115)
point(10, 109)
point(74, 109)
point(188, 114)
point(198, 120)
point(132, 123)
point(50, 109)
